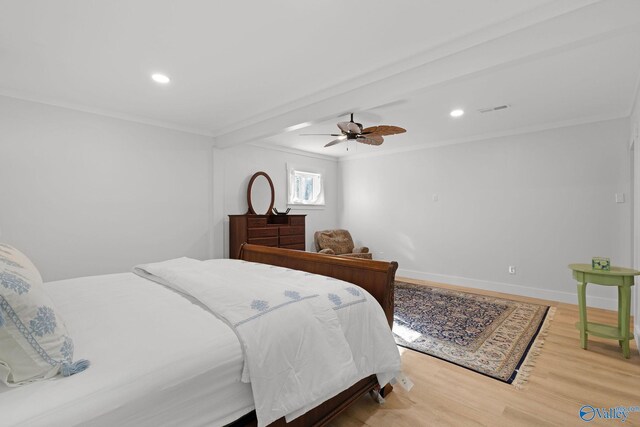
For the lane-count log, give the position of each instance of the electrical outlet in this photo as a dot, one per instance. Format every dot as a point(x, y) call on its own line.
point(404, 381)
point(512, 269)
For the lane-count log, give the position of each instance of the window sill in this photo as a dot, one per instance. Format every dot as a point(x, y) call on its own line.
point(295, 207)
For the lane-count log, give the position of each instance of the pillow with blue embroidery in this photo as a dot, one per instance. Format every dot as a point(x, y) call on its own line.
point(34, 344)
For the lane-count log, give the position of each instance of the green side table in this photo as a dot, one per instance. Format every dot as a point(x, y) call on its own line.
point(623, 278)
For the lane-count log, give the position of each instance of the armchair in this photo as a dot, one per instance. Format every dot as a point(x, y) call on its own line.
point(338, 242)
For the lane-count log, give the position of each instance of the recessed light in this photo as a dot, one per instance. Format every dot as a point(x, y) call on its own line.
point(456, 113)
point(160, 78)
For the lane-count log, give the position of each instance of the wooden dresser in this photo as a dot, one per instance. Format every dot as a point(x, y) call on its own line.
point(282, 231)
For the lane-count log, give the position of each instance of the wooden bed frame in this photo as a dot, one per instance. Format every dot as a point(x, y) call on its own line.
point(377, 277)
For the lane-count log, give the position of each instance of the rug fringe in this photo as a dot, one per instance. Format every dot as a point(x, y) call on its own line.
point(524, 372)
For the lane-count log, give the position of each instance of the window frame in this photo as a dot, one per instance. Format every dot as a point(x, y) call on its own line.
point(293, 203)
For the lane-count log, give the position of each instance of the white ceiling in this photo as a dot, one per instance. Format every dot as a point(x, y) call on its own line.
point(244, 71)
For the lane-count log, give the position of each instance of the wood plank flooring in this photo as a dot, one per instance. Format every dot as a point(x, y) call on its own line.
point(565, 378)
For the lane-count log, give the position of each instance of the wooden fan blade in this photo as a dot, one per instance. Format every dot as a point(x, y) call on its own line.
point(320, 134)
point(370, 139)
point(383, 130)
point(336, 141)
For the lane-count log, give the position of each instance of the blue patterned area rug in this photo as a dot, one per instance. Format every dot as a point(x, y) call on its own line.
point(493, 336)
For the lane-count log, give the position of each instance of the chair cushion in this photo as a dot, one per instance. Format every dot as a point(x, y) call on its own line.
point(34, 343)
point(326, 251)
point(338, 240)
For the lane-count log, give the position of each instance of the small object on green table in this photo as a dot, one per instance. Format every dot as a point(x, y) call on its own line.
point(623, 278)
point(600, 263)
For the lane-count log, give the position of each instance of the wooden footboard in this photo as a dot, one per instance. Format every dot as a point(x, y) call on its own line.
point(377, 277)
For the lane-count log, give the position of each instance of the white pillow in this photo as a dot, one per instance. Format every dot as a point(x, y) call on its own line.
point(34, 343)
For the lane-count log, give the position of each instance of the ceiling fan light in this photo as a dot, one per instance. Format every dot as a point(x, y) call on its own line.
point(456, 113)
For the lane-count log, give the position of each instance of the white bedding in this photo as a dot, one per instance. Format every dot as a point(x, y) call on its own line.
point(156, 359)
point(302, 334)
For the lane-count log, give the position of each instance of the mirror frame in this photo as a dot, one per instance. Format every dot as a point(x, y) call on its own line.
point(249, 188)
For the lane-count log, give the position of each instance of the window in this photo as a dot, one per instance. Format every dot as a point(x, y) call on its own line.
point(305, 187)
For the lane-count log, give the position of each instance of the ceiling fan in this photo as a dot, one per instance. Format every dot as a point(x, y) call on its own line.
point(353, 131)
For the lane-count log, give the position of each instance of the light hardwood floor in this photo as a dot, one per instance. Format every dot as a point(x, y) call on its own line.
point(565, 378)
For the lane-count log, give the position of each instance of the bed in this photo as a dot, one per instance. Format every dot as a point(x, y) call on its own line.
point(158, 358)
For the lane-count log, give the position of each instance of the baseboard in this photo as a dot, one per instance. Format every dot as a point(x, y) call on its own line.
point(636, 334)
point(509, 288)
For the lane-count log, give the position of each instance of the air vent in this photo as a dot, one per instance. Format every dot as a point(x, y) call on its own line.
point(492, 109)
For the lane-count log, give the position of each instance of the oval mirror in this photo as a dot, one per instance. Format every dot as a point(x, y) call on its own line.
point(260, 194)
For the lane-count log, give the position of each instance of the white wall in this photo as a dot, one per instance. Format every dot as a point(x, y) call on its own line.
point(235, 166)
point(635, 140)
point(537, 201)
point(84, 194)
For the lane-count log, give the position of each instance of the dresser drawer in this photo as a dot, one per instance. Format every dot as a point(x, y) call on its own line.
point(256, 222)
point(296, 220)
point(286, 231)
point(264, 241)
point(263, 232)
point(297, 246)
point(290, 240)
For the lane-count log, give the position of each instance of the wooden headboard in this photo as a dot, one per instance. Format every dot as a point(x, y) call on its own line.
point(376, 277)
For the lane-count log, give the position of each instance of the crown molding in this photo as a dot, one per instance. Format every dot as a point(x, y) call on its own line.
point(291, 151)
point(104, 112)
point(488, 136)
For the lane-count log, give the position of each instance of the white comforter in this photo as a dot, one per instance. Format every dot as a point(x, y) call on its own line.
point(305, 337)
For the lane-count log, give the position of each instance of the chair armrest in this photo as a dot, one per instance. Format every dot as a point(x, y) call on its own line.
point(361, 250)
point(327, 251)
